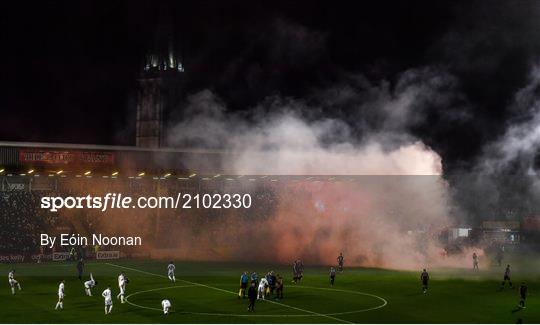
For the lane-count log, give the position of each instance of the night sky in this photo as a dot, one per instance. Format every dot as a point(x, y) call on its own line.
point(69, 69)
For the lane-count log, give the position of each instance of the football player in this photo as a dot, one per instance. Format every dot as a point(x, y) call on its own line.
point(13, 282)
point(107, 295)
point(60, 303)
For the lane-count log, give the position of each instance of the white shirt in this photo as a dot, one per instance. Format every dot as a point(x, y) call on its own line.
point(90, 283)
point(121, 280)
point(263, 282)
point(171, 268)
point(61, 289)
point(107, 294)
point(11, 276)
point(166, 303)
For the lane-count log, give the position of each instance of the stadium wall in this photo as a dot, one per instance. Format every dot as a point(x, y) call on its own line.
point(20, 156)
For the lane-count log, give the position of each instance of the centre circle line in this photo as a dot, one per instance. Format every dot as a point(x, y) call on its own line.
point(265, 315)
point(228, 291)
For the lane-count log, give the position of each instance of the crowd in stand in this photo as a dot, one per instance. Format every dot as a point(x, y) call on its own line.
point(22, 221)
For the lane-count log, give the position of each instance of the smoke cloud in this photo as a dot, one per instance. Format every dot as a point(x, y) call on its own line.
point(505, 175)
point(384, 221)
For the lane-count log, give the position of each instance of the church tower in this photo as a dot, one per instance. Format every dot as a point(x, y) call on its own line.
point(160, 85)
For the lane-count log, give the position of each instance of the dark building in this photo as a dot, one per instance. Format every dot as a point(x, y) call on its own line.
point(160, 84)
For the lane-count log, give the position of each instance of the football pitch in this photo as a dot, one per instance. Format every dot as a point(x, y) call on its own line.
point(206, 292)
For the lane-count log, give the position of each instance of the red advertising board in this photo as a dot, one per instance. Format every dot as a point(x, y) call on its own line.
point(66, 157)
point(531, 223)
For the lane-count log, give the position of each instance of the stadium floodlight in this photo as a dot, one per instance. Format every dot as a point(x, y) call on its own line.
point(141, 174)
point(167, 175)
point(192, 175)
point(217, 175)
point(59, 172)
point(30, 171)
point(114, 173)
point(2, 170)
point(86, 173)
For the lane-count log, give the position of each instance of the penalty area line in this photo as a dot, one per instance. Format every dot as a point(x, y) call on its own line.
point(234, 293)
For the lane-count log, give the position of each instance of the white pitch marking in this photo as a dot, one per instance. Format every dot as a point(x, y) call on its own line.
point(227, 291)
point(259, 315)
point(353, 292)
point(201, 313)
point(274, 302)
point(149, 290)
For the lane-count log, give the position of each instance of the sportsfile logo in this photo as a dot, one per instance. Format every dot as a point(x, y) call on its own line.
point(120, 201)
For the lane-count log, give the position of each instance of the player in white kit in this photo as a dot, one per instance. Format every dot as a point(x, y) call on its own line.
point(107, 295)
point(60, 303)
point(13, 282)
point(170, 269)
point(122, 279)
point(262, 288)
point(88, 285)
point(166, 304)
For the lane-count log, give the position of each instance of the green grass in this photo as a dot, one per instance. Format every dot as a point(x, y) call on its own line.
point(205, 293)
